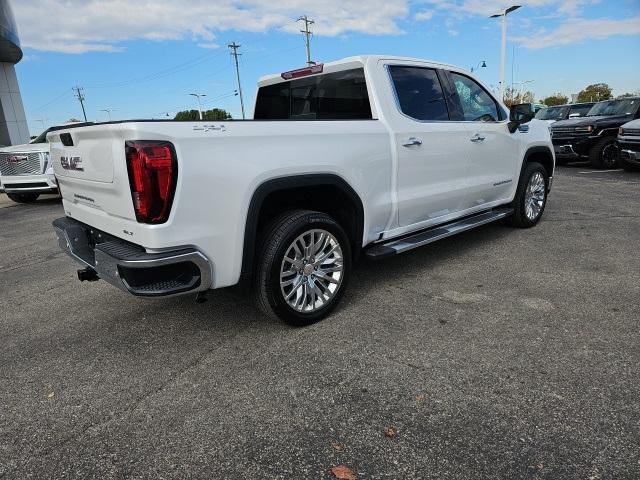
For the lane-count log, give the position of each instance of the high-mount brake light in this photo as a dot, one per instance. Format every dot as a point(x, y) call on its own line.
point(153, 171)
point(303, 72)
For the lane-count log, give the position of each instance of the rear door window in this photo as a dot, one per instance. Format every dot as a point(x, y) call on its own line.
point(419, 93)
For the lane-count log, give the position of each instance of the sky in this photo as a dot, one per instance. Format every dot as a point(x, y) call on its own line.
point(142, 59)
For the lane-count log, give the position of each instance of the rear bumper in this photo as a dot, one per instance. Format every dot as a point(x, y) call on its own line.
point(45, 183)
point(129, 267)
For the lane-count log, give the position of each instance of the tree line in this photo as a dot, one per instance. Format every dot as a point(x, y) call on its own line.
point(595, 92)
point(213, 114)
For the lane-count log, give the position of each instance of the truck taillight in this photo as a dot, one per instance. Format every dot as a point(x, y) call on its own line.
point(153, 171)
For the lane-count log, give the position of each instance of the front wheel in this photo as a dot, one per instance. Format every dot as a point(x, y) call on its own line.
point(303, 267)
point(23, 197)
point(531, 196)
point(604, 154)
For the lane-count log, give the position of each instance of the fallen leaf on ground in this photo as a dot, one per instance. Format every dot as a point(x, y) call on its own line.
point(390, 432)
point(338, 447)
point(51, 395)
point(343, 473)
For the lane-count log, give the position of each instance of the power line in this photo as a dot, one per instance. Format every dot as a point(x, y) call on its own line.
point(80, 97)
point(162, 73)
point(234, 52)
point(58, 98)
point(307, 35)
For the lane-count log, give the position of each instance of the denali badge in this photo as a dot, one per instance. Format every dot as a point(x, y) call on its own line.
point(17, 158)
point(71, 163)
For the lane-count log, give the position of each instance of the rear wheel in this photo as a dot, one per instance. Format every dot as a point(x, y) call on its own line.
point(303, 267)
point(23, 197)
point(531, 196)
point(604, 154)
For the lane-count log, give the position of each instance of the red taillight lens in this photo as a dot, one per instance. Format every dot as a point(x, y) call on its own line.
point(153, 172)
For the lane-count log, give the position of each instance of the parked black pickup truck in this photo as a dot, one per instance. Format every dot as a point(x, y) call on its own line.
point(594, 137)
point(562, 112)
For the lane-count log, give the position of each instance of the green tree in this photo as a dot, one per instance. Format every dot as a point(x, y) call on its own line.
point(595, 93)
point(213, 114)
point(556, 99)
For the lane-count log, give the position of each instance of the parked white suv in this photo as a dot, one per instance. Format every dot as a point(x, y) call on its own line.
point(370, 155)
point(25, 170)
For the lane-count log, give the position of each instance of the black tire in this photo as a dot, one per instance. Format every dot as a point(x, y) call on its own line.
point(604, 154)
point(275, 242)
point(629, 167)
point(23, 197)
point(519, 218)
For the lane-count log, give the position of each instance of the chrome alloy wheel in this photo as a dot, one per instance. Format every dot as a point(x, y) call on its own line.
point(312, 270)
point(534, 196)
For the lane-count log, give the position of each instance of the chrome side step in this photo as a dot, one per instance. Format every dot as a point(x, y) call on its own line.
point(394, 247)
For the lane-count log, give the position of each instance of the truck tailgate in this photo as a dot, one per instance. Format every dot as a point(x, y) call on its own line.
point(91, 170)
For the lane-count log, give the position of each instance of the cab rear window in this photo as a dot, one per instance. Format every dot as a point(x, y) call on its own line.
point(332, 96)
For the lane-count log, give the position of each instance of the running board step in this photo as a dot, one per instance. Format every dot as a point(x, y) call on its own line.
point(394, 247)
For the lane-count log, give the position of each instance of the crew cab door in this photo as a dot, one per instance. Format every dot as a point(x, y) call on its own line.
point(431, 150)
point(494, 152)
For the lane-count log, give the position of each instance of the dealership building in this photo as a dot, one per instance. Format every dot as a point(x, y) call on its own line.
point(13, 121)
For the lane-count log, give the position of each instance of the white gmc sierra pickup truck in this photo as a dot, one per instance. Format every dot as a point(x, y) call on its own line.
point(25, 170)
point(370, 155)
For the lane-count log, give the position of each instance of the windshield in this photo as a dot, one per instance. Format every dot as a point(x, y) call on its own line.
point(615, 107)
point(552, 113)
point(42, 138)
point(580, 110)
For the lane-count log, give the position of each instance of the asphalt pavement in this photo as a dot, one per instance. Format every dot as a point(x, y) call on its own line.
point(499, 353)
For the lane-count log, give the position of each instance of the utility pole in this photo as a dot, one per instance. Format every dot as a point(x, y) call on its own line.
point(234, 52)
point(307, 36)
point(504, 43)
point(80, 97)
point(198, 95)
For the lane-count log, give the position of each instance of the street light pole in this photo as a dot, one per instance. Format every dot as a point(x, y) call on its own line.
point(503, 46)
point(482, 64)
point(198, 95)
point(108, 110)
point(522, 84)
point(42, 120)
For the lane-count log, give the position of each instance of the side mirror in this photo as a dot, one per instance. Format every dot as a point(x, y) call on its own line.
point(519, 114)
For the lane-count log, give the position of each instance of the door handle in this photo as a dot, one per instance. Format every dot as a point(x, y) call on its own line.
point(478, 138)
point(413, 142)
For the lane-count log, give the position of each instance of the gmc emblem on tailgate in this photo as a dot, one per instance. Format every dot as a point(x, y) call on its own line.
point(71, 163)
point(17, 158)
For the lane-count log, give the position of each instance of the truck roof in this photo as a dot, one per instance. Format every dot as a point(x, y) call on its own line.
point(352, 62)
